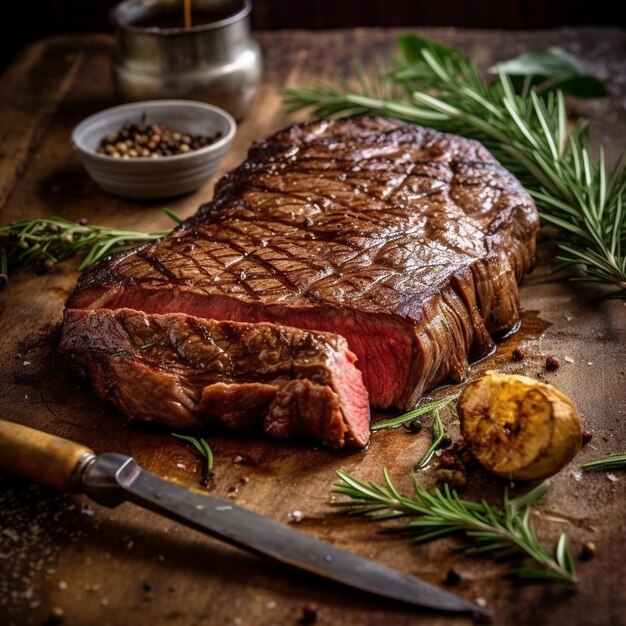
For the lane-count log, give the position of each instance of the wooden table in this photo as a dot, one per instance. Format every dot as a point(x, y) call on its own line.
point(129, 566)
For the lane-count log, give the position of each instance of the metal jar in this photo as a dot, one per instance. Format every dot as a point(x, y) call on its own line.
point(215, 60)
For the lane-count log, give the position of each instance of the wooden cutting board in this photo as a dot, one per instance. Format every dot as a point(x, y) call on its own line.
point(129, 566)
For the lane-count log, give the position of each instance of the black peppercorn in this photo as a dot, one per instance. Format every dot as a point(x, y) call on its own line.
point(588, 550)
point(414, 426)
point(453, 577)
point(518, 355)
point(136, 140)
point(552, 363)
point(310, 613)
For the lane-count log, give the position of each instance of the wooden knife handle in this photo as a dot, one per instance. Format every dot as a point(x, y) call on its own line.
point(42, 457)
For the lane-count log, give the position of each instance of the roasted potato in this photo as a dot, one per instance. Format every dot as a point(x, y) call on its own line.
point(518, 427)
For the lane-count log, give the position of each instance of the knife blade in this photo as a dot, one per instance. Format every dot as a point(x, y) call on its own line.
point(111, 479)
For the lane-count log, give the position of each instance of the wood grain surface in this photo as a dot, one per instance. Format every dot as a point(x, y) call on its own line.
point(129, 566)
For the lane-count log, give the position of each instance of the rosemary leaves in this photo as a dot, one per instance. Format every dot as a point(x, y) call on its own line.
point(438, 87)
point(424, 408)
point(616, 460)
point(486, 530)
point(46, 241)
point(204, 450)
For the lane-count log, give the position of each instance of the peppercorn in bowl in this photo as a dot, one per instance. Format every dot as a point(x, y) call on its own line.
point(154, 149)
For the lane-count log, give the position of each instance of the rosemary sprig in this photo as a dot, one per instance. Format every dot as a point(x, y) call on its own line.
point(438, 513)
point(47, 241)
point(438, 87)
point(616, 460)
point(424, 408)
point(434, 407)
point(201, 446)
point(439, 433)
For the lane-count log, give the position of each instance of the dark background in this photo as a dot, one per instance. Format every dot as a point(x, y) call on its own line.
point(29, 20)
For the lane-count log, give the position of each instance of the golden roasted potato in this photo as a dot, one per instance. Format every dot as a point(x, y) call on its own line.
point(518, 427)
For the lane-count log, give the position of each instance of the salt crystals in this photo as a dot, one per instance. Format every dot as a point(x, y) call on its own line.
point(577, 474)
point(568, 359)
point(297, 515)
point(612, 477)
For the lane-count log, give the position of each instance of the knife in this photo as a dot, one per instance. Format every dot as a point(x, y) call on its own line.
point(110, 479)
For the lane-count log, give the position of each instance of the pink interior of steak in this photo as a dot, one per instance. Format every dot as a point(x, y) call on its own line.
point(383, 346)
point(355, 403)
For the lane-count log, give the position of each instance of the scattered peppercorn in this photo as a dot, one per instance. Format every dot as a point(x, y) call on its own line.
point(453, 577)
point(310, 613)
point(414, 426)
point(588, 550)
point(587, 437)
point(552, 363)
point(518, 355)
point(151, 140)
point(146, 587)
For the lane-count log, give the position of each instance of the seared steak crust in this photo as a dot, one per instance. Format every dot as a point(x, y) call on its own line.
point(183, 371)
point(407, 242)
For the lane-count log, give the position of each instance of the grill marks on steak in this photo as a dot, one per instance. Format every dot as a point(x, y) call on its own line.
point(407, 242)
point(183, 371)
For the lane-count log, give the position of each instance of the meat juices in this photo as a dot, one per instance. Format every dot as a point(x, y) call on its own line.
point(406, 242)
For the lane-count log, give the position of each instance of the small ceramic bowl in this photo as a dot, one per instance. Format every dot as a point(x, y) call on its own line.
point(148, 177)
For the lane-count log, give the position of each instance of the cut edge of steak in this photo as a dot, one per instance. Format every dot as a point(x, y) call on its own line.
point(184, 372)
point(416, 278)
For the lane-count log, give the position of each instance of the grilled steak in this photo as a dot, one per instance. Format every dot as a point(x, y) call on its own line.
point(406, 242)
point(182, 371)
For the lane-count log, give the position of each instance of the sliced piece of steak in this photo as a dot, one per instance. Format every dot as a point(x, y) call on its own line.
point(182, 371)
point(407, 242)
